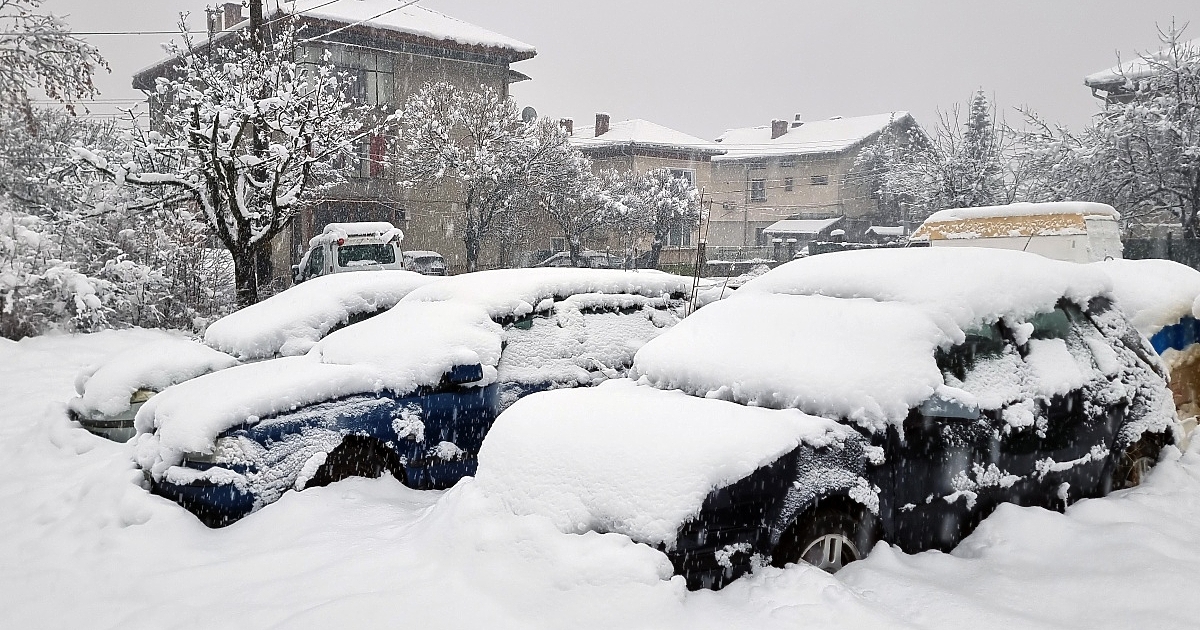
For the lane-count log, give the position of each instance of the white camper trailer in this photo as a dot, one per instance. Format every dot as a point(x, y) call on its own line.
point(1075, 231)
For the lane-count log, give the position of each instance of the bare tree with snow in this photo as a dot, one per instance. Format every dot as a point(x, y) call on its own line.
point(248, 132)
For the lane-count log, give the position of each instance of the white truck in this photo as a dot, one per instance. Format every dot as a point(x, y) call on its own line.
point(1075, 231)
point(345, 247)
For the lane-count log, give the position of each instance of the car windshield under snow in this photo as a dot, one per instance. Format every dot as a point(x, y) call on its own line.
point(368, 254)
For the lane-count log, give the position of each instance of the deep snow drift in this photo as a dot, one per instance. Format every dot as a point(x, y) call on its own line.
point(84, 546)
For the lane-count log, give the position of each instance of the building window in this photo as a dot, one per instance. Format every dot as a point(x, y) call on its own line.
point(558, 244)
point(679, 237)
point(685, 173)
point(400, 215)
point(819, 180)
point(758, 190)
point(761, 239)
point(789, 183)
point(372, 76)
point(787, 163)
point(757, 166)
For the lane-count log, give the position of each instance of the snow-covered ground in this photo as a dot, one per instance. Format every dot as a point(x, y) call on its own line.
point(82, 545)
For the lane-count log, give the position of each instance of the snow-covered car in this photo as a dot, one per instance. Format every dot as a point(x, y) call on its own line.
point(343, 247)
point(423, 262)
point(411, 392)
point(587, 258)
point(896, 395)
point(1161, 297)
point(286, 324)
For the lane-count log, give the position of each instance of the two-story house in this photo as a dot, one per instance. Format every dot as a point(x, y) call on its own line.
point(392, 51)
point(639, 146)
point(794, 180)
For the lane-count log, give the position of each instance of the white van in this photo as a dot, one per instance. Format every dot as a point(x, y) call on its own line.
point(345, 247)
point(1075, 231)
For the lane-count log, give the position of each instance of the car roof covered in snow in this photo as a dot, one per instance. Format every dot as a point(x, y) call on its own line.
point(1153, 293)
point(632, 459)
point(853, 334)
point(972, 285)
point(507, 293)
point(290, 322)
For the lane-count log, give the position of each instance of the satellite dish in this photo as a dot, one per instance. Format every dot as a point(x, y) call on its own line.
point(529, 114)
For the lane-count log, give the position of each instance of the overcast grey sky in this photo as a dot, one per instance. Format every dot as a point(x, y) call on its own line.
point(702, 66)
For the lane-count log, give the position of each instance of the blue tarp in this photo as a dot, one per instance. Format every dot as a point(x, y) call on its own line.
point(1178, 336)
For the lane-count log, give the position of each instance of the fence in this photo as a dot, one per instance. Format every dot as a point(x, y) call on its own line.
point(1184, 251)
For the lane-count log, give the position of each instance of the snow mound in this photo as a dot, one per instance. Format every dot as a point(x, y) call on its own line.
point(591, 459)
point(105, 389)
point(859, 359)
point(291, 322)
point(1153, 293)
point(970, 285)
point(518, 292)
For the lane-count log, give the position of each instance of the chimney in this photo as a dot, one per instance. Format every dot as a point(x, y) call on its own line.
point(799, 120)
point(778, 128)
point(233, 14)
point(601, 124)
point(568, 126)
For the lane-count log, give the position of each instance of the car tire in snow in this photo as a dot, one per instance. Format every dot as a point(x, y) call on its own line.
point(357, 457)
point(828, 537)
point(1132, 464)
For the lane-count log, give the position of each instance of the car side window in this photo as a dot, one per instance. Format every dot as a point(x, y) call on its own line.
point(316, 262)
point(981, 343)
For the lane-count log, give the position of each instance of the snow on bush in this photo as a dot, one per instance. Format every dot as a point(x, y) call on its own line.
point(632, 459)
point(291, 322)
point(1153, 293)
point(105, 389)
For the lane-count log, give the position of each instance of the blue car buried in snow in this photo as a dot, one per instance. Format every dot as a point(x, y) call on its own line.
point(411, 392)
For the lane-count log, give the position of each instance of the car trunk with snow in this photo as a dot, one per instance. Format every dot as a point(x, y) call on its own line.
point(957, 380)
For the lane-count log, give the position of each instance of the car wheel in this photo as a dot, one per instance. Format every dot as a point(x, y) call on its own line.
point(357, 457)
point(827, 538)
point(1135, 462)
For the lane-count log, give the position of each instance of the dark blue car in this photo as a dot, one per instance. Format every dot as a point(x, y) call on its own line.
point(411, 393)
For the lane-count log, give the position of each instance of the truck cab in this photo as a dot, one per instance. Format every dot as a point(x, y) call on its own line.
point(343, 247)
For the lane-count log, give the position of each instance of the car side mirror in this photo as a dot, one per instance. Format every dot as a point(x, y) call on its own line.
point(939, 407)
point(463, 374)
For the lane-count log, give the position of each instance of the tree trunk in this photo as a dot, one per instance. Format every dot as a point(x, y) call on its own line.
point(573, 247)
point(655, 249)
point(245, 276)
point(472, 245)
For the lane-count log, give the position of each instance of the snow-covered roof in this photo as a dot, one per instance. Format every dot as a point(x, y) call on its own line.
point(290, 322)
point(821, 136)
point(414, 19)
point(800, 226)
point(1140, 67)
point(517, 292)
point(1013, 220)
point(641, 133)
point(1153, 293)
point(371, 231)
point(886, 230)
point(105, 389)
point(632, 459)
point(418, 253)
point(852, 334)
